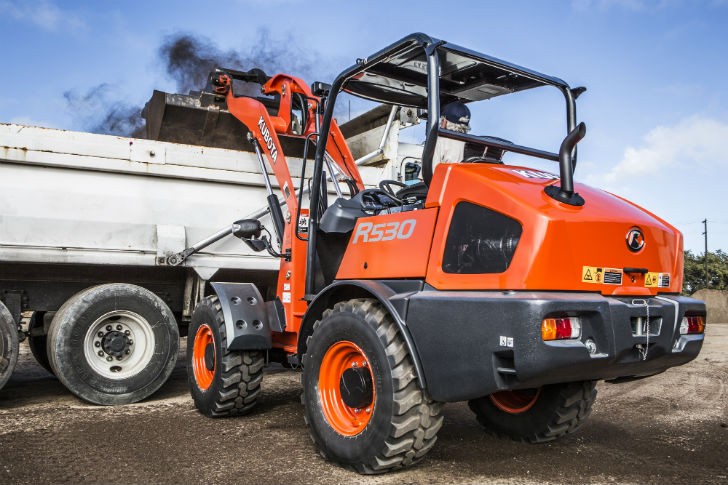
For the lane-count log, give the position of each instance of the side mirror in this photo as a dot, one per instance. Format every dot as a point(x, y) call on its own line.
point(247, 228)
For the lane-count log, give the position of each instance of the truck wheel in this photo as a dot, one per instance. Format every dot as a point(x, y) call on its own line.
point(8, 345)
point(223, 382)
point(361, 400)
point(536, 415)
point(113, 344)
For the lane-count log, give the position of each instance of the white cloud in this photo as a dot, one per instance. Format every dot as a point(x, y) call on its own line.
point(42, 13)
point(693, 142)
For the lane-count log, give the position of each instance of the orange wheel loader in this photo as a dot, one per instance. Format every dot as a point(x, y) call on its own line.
point(505, 286)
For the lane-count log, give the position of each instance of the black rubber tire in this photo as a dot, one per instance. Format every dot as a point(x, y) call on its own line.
point(9, 345)
point(559, 410)
point(39, 343)
point(404, 422)
point(39, 348)
point(76, 318)
point(237, 373)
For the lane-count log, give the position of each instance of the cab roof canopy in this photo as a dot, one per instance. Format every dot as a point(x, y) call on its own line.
point(398, 74)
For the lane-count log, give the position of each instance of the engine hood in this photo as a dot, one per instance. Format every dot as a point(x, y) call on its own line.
point(608, 245)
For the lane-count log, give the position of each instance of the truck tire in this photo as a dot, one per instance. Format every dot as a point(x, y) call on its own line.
point(222, 382)
point(113, 344)
point(362, 403)
point(39, 348)
point(8, 345)
point(39, 343)
point(536, 415)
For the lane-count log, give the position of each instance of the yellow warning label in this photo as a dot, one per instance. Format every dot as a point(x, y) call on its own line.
point(592, 274)
point(652, 280)
point(657, 280)
point(601, 275)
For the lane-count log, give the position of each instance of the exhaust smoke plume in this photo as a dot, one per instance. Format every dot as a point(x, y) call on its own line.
point(188, 60)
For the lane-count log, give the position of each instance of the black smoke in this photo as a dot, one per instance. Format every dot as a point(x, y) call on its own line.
point(102, 112)
point(187, 60)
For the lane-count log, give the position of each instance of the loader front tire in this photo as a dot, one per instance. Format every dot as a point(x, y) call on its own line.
point(536, 415)
point(8, 345)
point(222, 382)
point(362, 403)
point(113, 344)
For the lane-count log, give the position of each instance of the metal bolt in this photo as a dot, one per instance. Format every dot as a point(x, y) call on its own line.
point(369, 410)
point(131, 342)
point(108, 328)
point(101, 353)
point(118, 327)
point(364, 364)
point(128, 352)
point(353, 365)
point(357, 410)
point(97, 343)
point(118, 358)
point(109, 358)
point(101, 334)
point(127, 332)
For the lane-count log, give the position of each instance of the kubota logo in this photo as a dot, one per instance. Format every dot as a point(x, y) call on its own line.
point(385, 231)
point(265, 133)
point(635, 240)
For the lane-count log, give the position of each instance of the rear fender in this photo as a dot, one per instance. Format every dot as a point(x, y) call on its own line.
point(247, 326)
point(391, 294)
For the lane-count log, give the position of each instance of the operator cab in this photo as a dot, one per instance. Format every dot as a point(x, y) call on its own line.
point(426, 74)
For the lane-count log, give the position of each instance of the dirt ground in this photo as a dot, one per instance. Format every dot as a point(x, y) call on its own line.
point(671, 428)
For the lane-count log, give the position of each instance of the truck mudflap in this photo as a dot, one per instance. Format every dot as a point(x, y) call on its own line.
point(473, 343)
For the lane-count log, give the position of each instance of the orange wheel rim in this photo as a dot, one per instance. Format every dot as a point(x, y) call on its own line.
point(515, 402)
point(203, 374)
point(345, 419)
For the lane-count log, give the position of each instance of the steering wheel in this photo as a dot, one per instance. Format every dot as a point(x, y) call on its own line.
point(386, 186)
point(482, 160)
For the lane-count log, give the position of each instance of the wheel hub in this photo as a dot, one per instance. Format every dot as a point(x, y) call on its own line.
point(115, 343)
point(356, 387)
point(210, 357)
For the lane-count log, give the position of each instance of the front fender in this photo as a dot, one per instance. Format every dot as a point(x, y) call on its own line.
point(246, 316)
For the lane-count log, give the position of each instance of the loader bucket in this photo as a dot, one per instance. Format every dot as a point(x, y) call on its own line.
point(202, 118)
point(193, 119)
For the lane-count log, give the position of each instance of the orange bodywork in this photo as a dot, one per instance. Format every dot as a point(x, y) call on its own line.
point(389, 246)
point(558, 240)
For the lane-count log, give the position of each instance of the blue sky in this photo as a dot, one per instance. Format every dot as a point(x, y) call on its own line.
point(656, 106)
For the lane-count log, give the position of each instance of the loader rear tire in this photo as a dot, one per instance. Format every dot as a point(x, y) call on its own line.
point(113, 344)
point(536, 415)
point(8, 345)
point(222, 382)
point(362, 403)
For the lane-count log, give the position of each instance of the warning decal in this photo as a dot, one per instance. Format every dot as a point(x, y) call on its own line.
point(657, 280)
point(600, 275)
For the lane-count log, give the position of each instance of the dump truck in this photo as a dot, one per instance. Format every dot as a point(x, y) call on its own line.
point(506, 286)
point(107, 243)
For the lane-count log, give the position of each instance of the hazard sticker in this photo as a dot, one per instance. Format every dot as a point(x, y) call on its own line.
point(657, 280)
point(601, 275)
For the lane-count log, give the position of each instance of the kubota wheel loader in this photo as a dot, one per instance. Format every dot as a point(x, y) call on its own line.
point(505, 286)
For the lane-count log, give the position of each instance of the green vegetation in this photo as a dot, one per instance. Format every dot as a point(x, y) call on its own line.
point(694, 279)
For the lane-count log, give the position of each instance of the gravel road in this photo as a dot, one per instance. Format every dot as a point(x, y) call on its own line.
point(671, 428)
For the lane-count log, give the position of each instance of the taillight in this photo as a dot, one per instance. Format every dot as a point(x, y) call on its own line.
point(692, 324)
point(560, 328)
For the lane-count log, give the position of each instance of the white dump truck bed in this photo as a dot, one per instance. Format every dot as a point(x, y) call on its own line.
point(81, 198)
